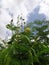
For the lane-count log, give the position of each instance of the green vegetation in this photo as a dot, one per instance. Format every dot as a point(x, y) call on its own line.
point(27, 46)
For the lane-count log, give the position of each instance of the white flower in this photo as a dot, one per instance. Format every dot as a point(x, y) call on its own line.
point(48, 35)
point(32, 40)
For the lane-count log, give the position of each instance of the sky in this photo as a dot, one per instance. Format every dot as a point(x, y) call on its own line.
point(29, 9)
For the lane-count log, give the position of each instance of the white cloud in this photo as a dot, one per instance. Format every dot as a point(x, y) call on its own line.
point(44, 8)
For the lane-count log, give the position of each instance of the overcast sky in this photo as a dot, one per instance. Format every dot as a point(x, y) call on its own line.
point(12, 8)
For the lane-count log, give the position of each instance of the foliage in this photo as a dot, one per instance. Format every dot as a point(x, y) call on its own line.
point(28, 47)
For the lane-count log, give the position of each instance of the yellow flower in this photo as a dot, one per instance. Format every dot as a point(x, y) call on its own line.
point(27, 29)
